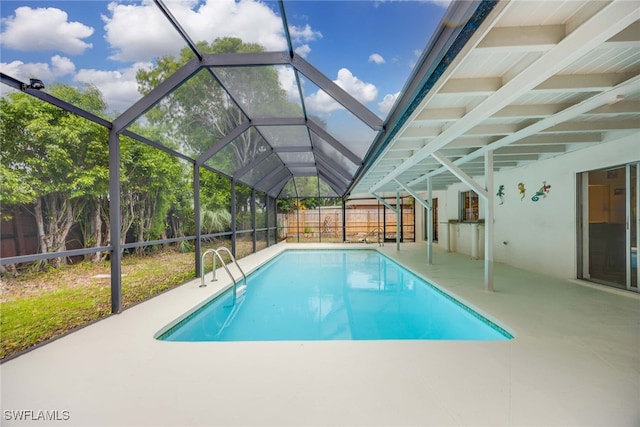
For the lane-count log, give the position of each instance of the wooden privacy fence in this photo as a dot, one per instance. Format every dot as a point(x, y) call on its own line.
point(361, 223)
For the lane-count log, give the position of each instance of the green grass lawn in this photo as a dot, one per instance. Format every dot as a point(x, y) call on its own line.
point(38, 306)
point(28, 321)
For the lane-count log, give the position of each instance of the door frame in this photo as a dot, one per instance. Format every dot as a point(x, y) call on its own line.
point(582, 224)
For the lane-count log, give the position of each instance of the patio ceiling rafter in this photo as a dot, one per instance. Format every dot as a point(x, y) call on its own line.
point(559, 119)
point(551, 74)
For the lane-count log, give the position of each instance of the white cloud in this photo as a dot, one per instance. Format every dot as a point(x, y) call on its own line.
point(376, 58)
point(62, 66)
point(303, 50)
point(141, 32)
point(22, 71)
point(304, 34)
point(363, 92)
point(43, 29)
point(59, 67)
point(442, 3)
point(119, 88)
point(321, 102)
point(287, 79)
point(385, 105)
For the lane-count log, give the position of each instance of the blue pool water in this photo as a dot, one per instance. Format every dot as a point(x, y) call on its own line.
point(334, 295)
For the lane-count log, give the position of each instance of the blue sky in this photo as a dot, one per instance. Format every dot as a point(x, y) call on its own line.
point(367, 47)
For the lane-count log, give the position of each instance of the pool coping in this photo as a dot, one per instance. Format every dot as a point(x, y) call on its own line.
point(575, 361)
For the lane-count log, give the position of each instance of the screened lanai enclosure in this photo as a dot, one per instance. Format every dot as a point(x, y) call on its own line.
point(226, 144)
point(239, 140)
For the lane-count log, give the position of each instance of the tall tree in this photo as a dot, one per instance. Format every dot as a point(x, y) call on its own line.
point(200, 113)
point(150, 185)
point(52, 159)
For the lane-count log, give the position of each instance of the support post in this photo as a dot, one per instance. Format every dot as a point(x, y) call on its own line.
point(398, 220)
point(429, 222)
point(275, 210)
point(115, 222)
point(298, 221)
point(253, 219)
point(266, 215)
point(488, 222)
point(196, 218)
point(637, 225)
point(344, 220)
point(233, 217)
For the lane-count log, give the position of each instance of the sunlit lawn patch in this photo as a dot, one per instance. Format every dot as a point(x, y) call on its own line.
point(37, 306)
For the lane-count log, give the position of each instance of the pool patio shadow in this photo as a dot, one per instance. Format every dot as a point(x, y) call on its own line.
point(575, 360)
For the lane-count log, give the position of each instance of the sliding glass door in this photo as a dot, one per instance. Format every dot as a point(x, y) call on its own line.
point(633, 235)
point(609, 226)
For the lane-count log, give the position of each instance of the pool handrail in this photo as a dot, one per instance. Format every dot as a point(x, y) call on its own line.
point(215, 253)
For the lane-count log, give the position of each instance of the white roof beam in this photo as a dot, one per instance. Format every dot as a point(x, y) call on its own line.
point(415, 195)
point(407, 144)
point(421, 132)
point(609, 21)
point(559, 83)
point(471, 142)
point(583, 82)
point(525, 39)
point(529, 149)
point(384, 202)
point(529, 111)
point(618, 108)
point(398, 154)
point(440, 114)
point(498, 159)
point(462, 176)
point(531, 134)
point(593, 126)
point(496, 129)
point(477, 86)
point(540, 126)
point(549, 139)
point(628, 37)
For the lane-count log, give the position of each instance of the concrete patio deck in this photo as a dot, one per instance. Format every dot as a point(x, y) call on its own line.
point(575, 361)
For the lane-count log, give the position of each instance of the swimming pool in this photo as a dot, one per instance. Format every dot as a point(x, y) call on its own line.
point(334, 295)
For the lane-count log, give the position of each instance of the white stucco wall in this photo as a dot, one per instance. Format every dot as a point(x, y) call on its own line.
point(541, 235)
